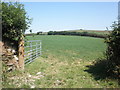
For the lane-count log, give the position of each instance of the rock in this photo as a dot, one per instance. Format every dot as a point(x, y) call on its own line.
point(38, 73)
point(9, 64)
point(9, 50)
point(29, 75)
point(13, 51)
point(32, 86)
point(58, 82)
point(16, 58)
point(10, 69)
point(9, 58)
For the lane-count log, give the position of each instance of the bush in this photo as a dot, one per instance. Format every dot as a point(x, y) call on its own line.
point(39, 33)
point(14, 20)
point(50, 33)
point(113, 51)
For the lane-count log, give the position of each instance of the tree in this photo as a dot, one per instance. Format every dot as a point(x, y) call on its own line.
point(39, 33)
point(14, 20)
point(51, 33)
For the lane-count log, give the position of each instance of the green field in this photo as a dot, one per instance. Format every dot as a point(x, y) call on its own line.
point(65, 59)
point(65, 63)
point(67, 47)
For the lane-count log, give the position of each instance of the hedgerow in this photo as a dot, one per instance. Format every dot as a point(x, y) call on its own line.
point(76, 34)
point(14, 20)
point(113, 51)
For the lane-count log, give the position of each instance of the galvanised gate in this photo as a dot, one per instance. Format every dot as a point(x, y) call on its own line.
point(32, 50)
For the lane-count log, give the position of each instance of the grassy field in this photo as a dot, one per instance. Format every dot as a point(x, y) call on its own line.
point(71, 46)
point(65, 63)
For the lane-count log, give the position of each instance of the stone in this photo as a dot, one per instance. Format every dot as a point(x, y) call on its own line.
point(16, 58)
point(10, 68)
point(32, 86)
point(38, 73)
point(13, 51)
point(29, 75)
point(9, 64)
point(9, 58)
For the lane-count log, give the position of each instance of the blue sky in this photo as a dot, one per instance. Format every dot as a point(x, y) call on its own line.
point(58, 16)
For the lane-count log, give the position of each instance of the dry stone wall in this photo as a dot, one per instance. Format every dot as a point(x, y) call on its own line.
point(9, 57)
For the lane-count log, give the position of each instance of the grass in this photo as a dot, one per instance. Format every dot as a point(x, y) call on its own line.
point(76, 46)
point(64, 64)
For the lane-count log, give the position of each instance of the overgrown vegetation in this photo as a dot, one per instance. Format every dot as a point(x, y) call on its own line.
point(14, 23)
point(14, 20)
point(113, 52)
point(111, 62)
point(77, 34)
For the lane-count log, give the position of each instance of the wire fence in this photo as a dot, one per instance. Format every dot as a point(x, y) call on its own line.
point(32, 50)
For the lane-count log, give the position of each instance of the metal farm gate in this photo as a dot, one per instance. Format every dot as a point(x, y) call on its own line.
point(32, 50)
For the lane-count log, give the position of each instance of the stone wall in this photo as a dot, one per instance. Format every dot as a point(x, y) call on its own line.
point(9, 57)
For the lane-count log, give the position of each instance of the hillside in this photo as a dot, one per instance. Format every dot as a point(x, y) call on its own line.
point(91, 31)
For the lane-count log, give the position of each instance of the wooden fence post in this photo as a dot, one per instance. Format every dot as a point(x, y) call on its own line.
point(21, 53)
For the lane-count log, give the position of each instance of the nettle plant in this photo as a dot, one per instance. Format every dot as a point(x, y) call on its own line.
point(113, 50)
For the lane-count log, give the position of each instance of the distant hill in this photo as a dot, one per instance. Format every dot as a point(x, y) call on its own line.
point(91, 31)
point(87, 33)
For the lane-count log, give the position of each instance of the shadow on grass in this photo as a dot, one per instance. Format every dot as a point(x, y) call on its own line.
point(99, 71)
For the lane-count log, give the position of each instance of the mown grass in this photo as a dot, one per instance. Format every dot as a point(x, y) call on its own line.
point(64, 64)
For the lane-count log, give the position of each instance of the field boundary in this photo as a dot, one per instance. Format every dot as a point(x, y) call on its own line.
point(32, 50)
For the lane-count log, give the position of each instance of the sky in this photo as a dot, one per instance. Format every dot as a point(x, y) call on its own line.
point(59, 16)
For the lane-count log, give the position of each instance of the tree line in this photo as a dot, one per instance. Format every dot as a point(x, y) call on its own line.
point(77, 34)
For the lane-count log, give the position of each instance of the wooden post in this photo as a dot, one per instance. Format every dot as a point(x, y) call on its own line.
point(21, 53)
